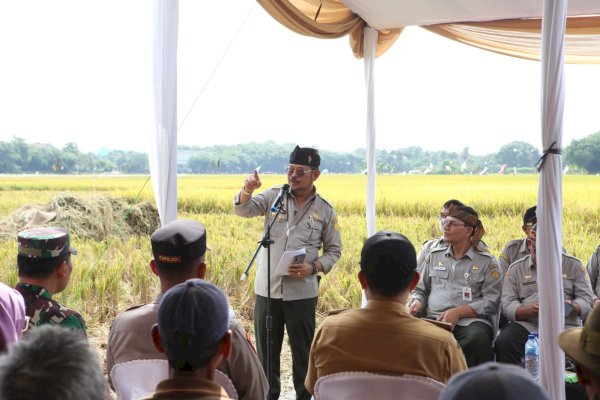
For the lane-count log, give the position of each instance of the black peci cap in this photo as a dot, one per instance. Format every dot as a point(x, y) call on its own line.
point(386, 250)
point(530, 216)
point(305, 156)
point(179, 242)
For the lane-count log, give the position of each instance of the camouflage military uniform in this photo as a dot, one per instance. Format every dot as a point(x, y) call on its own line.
point(41, 309)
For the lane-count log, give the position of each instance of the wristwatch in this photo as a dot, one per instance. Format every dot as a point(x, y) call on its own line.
point(314, 265)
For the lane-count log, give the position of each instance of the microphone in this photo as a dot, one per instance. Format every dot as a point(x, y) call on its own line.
point(279, 200)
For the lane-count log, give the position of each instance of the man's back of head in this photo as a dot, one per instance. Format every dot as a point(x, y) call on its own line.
point(178, 248)
point(42, 250)
point(493, 380)
point(51, 363)
point(388, 263)
point(193, 319)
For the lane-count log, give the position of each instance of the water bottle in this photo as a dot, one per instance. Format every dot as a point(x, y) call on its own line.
point(532, 356)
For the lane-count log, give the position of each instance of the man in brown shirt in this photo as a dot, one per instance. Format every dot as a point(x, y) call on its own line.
point(384, 337)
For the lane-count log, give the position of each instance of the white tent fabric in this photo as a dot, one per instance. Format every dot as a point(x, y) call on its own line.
point(549, 212)
point(389, 14)
point(382, 14)
point(370, 44)
point(163, 152)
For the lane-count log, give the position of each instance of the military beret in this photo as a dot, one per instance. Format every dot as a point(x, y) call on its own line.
point(305, 156)
point(46, 242)
point(179, 242)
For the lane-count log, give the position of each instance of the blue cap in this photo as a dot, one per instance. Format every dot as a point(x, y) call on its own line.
point(193, 317)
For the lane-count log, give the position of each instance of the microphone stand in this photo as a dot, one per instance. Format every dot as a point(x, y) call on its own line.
point(267, 242)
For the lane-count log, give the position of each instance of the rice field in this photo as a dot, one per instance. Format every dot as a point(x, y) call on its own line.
point(113, 274)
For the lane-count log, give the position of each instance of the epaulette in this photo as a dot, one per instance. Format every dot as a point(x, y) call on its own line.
point(134, 307)
point(324, 201)
point(438, 249)
point(485, 252)
point(567, 255)
point(337, 311)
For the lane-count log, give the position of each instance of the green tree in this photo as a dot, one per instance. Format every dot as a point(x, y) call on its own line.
point(518, 154)
point(584, 153)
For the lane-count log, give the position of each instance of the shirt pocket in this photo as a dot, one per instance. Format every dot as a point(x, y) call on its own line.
point(528, 289)
point(279, 228)
point(439, 277)
point(568, 285)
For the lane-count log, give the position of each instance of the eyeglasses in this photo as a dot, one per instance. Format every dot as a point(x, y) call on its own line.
point(298, 171)
point(451, 223)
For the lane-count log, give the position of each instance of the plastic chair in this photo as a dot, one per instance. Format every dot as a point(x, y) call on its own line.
point(138, 378)
point(368, 385)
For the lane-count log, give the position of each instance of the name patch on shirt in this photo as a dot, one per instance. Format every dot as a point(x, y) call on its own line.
point(439, 268)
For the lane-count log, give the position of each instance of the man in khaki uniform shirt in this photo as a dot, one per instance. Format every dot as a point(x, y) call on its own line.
point(593, 266)
point(517, 249)
point(179, 254)
point(431, 244)
point(461, 285)
point(520, 301)
point(307, 221)
point(383, 337)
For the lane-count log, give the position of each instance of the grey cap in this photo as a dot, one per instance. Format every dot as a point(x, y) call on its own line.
point(493, 381)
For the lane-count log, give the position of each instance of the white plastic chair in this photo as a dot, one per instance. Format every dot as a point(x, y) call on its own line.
point(138, 378)
point(368, 385)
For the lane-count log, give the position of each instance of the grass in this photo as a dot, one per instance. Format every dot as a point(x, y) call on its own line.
point(113, 275)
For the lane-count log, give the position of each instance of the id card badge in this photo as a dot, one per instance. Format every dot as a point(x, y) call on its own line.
point(466, 293)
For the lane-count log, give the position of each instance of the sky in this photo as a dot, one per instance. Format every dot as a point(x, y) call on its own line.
point(81, 71)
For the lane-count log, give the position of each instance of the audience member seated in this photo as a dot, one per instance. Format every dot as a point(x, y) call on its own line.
point(493, 381)
point(437, 242)
point(12, 316)
point(44, 259)
point(520, 301)
point(461, 285)
point(383, 337)
point(517, 249)
point(582, 346)
point(51, 363)
point(193, 318)
point(593, 265)
point(179, 254)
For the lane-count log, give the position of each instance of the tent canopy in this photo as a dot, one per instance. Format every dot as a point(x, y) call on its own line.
point(390, 14)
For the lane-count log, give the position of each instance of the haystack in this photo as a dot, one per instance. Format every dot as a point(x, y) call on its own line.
point(96, 217)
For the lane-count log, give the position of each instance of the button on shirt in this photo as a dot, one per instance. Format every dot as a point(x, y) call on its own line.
point(520, 288)
point(312, 226)
point(444, 280)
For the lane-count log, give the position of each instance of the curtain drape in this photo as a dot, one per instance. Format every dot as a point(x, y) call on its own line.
point(522, 37)
point(326, 19)
point(549, 212)
point(163, 149)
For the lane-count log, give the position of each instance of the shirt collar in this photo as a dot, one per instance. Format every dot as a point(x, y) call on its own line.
point(387, 305)
point(470, 253)
point(191, 384)
point(36, 290)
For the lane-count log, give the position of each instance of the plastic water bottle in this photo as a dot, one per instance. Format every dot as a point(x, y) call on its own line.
point(532, 356)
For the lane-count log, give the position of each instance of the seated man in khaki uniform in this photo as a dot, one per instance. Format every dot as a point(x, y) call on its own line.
point(383, 337)
point(437, 242)
point(461, 285)
point(517, 249)
point(520, 301)
point(593, 266)
point(179, 250)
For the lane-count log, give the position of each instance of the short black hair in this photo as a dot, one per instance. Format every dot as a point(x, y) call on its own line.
point(176, 271)
point(35, 267)
point(389, 261)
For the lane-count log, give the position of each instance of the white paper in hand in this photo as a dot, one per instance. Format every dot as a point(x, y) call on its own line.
point(288, 258)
